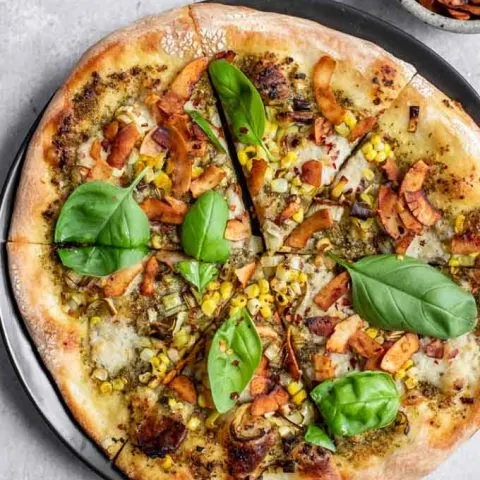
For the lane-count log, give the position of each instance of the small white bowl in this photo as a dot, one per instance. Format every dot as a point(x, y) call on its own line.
point(441, 21)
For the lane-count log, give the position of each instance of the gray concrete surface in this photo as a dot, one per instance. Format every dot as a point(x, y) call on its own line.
point(40, 40)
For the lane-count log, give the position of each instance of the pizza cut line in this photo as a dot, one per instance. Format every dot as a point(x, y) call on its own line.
point(329, 330)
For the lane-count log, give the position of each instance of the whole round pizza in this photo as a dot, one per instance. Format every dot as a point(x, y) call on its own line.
point(246, 246)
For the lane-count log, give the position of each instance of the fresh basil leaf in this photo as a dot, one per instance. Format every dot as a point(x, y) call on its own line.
point(241, 101)
point(103, 214)
point(203, 229)
point(233, 358)
point(317, 436)
point(407, 294)
point(198, 274)
point(99, 261)
point(357, 402)
point(207, 129)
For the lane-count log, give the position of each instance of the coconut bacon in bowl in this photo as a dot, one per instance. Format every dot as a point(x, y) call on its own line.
point(457, 9)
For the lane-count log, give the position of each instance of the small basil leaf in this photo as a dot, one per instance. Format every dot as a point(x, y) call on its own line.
point(407, 294)
point(233, 358)
point(99, 261)
point(203, 229)
point(357, 402)
point(207, 129)
point(103, 214)
point(316, 436)
point(241, 101)
point(198, 274)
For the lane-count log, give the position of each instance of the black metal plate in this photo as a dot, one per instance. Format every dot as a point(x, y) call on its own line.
point(36, 381)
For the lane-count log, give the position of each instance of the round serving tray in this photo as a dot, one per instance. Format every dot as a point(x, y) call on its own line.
point(34, 377)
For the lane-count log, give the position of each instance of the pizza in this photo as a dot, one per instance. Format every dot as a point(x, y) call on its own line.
point(246, 246)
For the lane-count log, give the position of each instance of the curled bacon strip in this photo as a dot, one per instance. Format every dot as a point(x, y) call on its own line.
point(465, 244)
point(169, 210)
point(361, 128)
point(387, 211)
point(421, 208)
point(209, 179)
point(256, 178)
point(312, 173)
point(122, 145)
point(238, 229)
point(151, 271)
point(414, 178)
point(332, 291)
point(292, 363)
point(320, 220)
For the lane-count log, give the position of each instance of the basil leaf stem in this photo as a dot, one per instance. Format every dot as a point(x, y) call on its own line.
point(198, 274)
point(207, 129)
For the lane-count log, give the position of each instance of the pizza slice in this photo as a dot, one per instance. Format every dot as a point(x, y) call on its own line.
point(410, 188)
point(296, 110)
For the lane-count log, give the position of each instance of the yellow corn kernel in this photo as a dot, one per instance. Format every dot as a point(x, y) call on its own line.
point(243, 157)
point(208, 307)
point(302, 277)
point(289, 160)
point(94, 321)
point(298, 215)
point(161, 369)
point(338, 189)
point(266, 311)
point(294, 275)
point(387, 149)
point(296, 181)
point(239, 300)
point(459, 223)
point(155, 361)
point(193, 423)
point(265, 298)
point(172, 403)
point(162, 180)
point(213, 285)
point(454, 262)
point(342, 129)
point(156, 241)
point(211, 421)
point(215, 296)
point(380, 340)
point(282, 299)
point(408, 364)
point(202, 402)
point(367, 148)
point(139, 166)
point(293, 388)
point(252, 291)
point(381, 157)
point(368, 199)
point(263, 286)
point(368, 174)
point(197, 171)
point(118, 384)
point(411, 382)
point(233, 310)
point(106, 387)
point(350, 119)
point(144, 377)
point(400, 374)
point(167, 462)
point(181, 338)
point(371, 156)
point(154, 382)
point(164, 358)
point(299, 397)
point(226, 289)
point(376, 140)
point(372, 332)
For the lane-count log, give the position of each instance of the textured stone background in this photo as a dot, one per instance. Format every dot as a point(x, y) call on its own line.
point(40, 41)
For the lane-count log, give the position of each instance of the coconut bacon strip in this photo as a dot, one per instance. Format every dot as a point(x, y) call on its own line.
point(208, 180)
point(331, 292)
point(169, 210)
point(344, 331)
point(400, 352)
point(465, 244)
point(122, 145)
point(117, 283)
point(320, 220)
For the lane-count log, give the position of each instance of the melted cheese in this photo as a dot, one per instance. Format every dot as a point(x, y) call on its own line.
point(353, 171)
point(428, 247)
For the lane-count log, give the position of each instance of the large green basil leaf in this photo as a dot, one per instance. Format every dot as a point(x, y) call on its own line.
point(207, 129)
point(99, 261)
point(103, 214)
point(241, 101)
point(406, 294)
point(203, 229)
point(357, 402)
point(233, 358)
point(197, 273)
point(317, 436)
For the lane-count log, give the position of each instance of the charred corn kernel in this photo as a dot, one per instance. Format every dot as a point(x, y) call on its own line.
point(144, 377)
point(155, 361)
point(408, 364)
point(211, 421)
point(208, 307)
point(367, 148)
point(387, 149)
point(454, 262)
point(197, 171)
point(253, 306)
point(400, 374)
point(298, 215)
point(299, 397)
point(350, 119)
point(366, 198)
point(289, 160)
point(302, 277)
point(226, 289)
point(368, 174)
point(252, 291)
point(162, 368)
point(106, 387)
point(381, 157)
point(371, 156)
point(338, 189)
point(266, 311)
point(265, 298)
point(296, 181)
point(162, 180)
point(202, 402)
point(411, 382)
point(94, 321)
point(459, 223)
point(118, 384)
point(282, 299)
point(156, 241)
point(324, 244)
point(372, 332)
point(342, 129)
point(166, 462)
point(213, 285)
point(376, 139)
point(193, 423)
point(264, 286)
point(146, 354)
point(239, 300)
point(293, 388)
